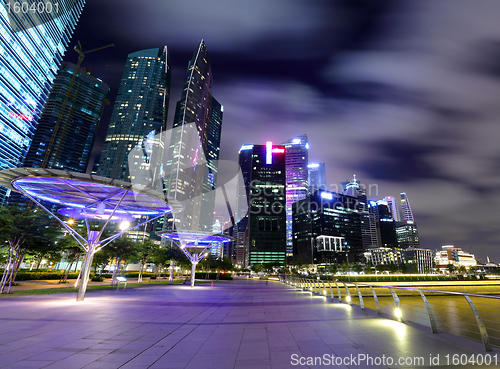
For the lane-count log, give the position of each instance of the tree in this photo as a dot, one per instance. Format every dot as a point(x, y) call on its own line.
point(73, 252)
point(123, 249)
point(165, 255)
point(268, 267)
point(368, 267)
point(23, 229)
point(344, 267)
point(257, 268)
point(451, 268)
point(299, 263)
point(358, 268)
point(101, 260)
point(404, 268)
point(393, 268)
point(144, 253)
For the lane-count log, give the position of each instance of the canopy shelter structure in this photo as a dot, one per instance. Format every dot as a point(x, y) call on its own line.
point(87, 197)
point(195, 245)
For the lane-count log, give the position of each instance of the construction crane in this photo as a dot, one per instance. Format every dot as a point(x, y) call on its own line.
point(81, 55)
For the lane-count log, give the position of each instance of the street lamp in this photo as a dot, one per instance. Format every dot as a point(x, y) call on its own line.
point(124, 225)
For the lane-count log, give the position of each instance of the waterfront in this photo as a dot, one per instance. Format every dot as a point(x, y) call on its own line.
point(452, 313)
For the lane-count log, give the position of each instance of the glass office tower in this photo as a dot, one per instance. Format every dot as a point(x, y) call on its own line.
point(406, 209)
point(140, 110)
point(317, 177)
point(327, 228)
point(192, 166)
point(264, 235)
point(296, 158)
point(78, 126)
point(31, 49)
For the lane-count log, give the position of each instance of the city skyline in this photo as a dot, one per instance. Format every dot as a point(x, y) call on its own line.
point(382, 94)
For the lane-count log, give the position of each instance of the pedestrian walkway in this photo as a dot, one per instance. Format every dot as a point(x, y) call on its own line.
point(235, 324)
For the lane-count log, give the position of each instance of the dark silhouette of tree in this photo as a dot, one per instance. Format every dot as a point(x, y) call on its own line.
point(122, 249)
point(24, 230)
point(144, 254)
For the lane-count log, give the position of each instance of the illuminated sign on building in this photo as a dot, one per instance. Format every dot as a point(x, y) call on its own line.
point(269, 152)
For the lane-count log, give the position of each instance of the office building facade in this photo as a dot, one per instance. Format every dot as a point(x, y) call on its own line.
point(414, 260)
point(393, 208)
point(73, 140)
point(407, 214)
point(240, 250)
point(354, 188)
point(296, 157)
point(317, 177)
point(31, 49)
point(407, 234)
point(139, 113)
point(327, 229)
point(262, 233)
point(455, 256)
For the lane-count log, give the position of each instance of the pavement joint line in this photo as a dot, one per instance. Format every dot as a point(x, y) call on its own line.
point(182, 325)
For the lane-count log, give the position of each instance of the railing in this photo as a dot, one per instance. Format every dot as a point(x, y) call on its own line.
point(464, 316)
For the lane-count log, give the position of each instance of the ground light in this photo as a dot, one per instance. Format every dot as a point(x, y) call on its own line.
point(398, 313)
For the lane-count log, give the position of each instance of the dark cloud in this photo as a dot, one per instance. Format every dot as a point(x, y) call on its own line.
point(402, 93)
point(402, 161)
point(484, 58)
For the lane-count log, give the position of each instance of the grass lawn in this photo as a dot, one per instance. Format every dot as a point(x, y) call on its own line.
point(50, 291)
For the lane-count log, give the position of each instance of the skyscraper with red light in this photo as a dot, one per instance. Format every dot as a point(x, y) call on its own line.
point(261, 234)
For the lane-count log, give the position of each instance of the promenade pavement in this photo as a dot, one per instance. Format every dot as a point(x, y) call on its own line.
point(235, 324)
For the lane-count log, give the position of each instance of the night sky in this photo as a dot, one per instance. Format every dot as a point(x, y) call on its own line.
point(404, 94)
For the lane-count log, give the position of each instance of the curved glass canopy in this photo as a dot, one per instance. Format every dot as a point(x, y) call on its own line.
point(195, 245)
point(91, 198)
point(84, 196)
point(194, 239)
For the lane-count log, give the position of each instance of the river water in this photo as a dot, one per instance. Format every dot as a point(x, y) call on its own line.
point(451, 313)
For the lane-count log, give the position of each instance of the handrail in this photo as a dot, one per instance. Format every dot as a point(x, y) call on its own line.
point(294, 281)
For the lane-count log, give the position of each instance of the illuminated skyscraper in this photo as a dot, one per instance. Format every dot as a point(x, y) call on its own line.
point(140, 110)
point(317, 177)
point(32, 45)
point(198, 107)
point(405, 207)
point(407, 234)
point(327, 229)
point(263, 231)
point(355, 189)
point(76, 133)
point(240, 251)
point(387, 224)
point(393, 207)
point(296, 156)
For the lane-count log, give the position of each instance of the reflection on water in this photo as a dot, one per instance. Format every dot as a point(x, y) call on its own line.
point(452, 313)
